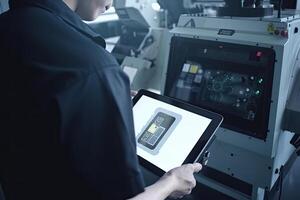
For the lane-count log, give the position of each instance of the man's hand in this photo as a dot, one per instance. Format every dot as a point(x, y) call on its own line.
point(176, 183)
point(183, 179)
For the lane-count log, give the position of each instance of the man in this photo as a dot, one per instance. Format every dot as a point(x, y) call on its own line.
point(66, 119)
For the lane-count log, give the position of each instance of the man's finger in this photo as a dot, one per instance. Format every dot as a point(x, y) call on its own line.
point(197, 167)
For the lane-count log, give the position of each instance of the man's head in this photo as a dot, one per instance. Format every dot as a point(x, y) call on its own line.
point(89, 9)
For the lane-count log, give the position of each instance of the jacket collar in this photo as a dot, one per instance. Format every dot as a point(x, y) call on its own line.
point(60, 9)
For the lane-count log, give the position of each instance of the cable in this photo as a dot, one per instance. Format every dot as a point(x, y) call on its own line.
point(279, 8)
point(267, 193)
point(280, 182)
point(297, 142)
point(298, 151)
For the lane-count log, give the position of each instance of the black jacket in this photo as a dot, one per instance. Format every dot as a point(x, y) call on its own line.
point(66, 121)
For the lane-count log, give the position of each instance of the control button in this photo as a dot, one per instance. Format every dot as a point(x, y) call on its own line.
point(204, 160)
point(186, 67)
point(258, 54)
point(284, 33)
point(207, 154)
point(194, 69)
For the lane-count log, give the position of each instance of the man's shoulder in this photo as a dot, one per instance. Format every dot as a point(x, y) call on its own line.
point(28, 24)
point(35, 33)
point(27, 16)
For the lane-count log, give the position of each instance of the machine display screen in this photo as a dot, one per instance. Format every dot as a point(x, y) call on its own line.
point(234, 80)
point(238, 93)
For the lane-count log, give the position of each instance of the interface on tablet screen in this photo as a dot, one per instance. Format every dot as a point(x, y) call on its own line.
point(166, 134)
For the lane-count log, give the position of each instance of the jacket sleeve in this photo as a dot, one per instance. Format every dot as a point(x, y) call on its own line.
point(97, 134)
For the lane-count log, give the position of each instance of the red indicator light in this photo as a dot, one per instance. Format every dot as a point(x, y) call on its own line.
point(258, 54)
point(284, 33)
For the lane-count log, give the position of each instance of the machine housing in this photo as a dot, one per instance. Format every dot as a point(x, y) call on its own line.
point(211, 64)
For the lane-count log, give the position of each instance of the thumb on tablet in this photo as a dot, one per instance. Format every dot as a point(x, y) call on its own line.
point(197, 167)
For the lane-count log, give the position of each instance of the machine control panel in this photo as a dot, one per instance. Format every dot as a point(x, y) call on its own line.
point(232, 79)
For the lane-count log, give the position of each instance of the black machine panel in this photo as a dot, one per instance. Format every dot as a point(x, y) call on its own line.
point(232, 79)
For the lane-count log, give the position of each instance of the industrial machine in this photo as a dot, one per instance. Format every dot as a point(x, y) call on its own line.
point(246, 69)
point(142, 48)
point(149, 8)
point(134, 34)
point(174, 8)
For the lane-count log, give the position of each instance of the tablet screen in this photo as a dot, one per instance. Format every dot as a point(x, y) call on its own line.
point(166, 134)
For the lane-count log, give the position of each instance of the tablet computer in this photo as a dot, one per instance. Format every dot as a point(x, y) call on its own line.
point(170, 132)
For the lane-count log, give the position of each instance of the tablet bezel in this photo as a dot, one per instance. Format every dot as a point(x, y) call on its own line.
point(216, 120)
